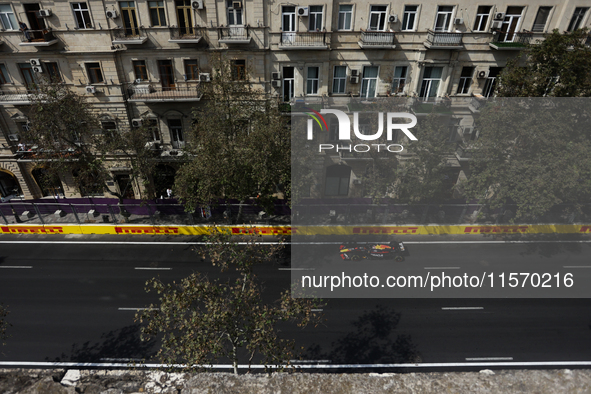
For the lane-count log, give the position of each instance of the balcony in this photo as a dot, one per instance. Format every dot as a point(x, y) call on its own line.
point(310, 40)
point(185, 35)
point(158, 94)
point(129, 36)
point(16, 95)
point(443, 40)
point(377, 40)
point(38, 38)
point(234, 35)
point(511, 41)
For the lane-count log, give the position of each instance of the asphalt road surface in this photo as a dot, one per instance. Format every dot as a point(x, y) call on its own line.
point(76, 302)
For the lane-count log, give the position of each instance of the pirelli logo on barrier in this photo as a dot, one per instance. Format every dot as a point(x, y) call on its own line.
point(585, 229)
point(146, 230)
point(495, 229)
point(32, 230)
point(385, 230)
point(263, 230)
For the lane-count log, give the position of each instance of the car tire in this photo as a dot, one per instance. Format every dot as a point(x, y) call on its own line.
point(399, 259)
point(355, 257)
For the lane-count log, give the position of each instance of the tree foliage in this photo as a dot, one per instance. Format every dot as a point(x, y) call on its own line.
point(558, 66)
point(239, 144)
point(203, 320)
point(3, 324)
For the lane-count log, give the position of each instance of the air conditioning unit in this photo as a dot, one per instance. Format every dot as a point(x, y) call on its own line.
point(112, 14)
point(354, 73)
point(393, 18)
point(499, 16)
point(197, 4)
point(276, 83)
point(483, 74)
point(204, 77)
point(35, 62)
point(90, 89)
point(136, 123)
point(302, 11)
point(37, 69)
point(459, 21)
point(138, 81)
point(13, 137)
point(236, 4)
point(44, 13)
point(496, 25)
point(276, 76)
point(354, 79)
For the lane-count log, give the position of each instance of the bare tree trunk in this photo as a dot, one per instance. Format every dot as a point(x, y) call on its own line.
point(240, 209)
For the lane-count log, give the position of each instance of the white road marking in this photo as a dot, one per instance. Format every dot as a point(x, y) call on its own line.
point(316, 310)
point(489, 358)
point(153, 268)
point(120, 359)
point(309, 361)
point(311, 366)
point(138, 309)
point(461, 308)
point(442, 268)
point(16, 266)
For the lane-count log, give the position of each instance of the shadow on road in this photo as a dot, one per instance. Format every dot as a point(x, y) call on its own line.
point(121, 345)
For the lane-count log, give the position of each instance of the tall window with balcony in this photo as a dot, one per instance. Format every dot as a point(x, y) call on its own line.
point(577, 20)
point(140, 70)
point(184, 14)
point(129, 17)
point(377, 17)
point(4, 76)
point(339, 80)
point(95, 75)
point(312, 81)
point(7, 17)
point(239, 70)
point(288, 24)
point(410, 17)
point(541, 19)
point(288, 83)
point(345, 17)
point(430, 83)
point(176, 133)
point(36, 22)
point(28, 76)
point(491, 81)
point(166, 72)
point(369, 82)
point(157, 14)
point(465, 80)
point(82, 15)
point(443, 18)
point(235, 19)
point(191, 70)
point(53, 72)
point(482, 17)
point(315, 18)
point(154, 130)
point(511, 24)
point(399, 80)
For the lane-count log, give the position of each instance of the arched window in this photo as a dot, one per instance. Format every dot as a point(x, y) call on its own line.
point(337, 180)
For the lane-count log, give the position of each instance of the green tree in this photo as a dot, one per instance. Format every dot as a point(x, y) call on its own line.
point(202, 320)
point(239, 145)
point(558, 66)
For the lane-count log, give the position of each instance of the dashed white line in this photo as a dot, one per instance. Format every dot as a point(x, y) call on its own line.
point(489, 358)
point(442, 268)
point(461, 308)
point(153, 268)
point(16, 266)
point(316, 310)
point(138, 309)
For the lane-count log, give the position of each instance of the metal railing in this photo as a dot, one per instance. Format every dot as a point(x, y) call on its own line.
point(38, 36)
point(444, 39)
point(185, 33)
point(508, 39)
point(310, 39)
point(16, 93)
point(128, 33)
point(151, 92)
point(234, 33)
point(377, 38)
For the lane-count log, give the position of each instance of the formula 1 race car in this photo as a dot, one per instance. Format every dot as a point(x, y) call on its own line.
point(373, 251)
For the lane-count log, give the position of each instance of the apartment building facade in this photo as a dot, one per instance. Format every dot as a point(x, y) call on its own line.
point(142, 60)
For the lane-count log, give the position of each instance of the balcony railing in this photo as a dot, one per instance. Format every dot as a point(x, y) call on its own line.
point(41, 38)
point(443, 40)
point(376, 39)
point(309, 40)
point(16, 95)
point(187, 35)
point(129, 36)
point(234, 34)
point(508, 40)
point(151, 93)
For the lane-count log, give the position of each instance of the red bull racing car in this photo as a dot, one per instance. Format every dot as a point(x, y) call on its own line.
point(373, 251)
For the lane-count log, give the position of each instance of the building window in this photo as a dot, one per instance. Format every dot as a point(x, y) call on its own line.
point(239, 70)
point(410, 17)
point(339, 79)
point(29, 79)
point(176, 133)
point(7, 17)
point(482, 15)
point(337, 180)
point(312, 80)
point(53, 72)
point(377, 17)
point(430, 83)
point(4, 77)
point(511, 24)
point(82, 15)
point(129, 17)
point(345, 17)
point(95, 74)
point(153, 128)
point(369, 82)
point(191, 70)
point(491, 82)
point(443, 18)
point(577, 18)
point(234, 14)
point(140, 70)
point(288, 83)
point(184, 13)
point(541, 19)
point(465, 80)
point(157, 15)
point(315, 18)
point(399, 80)
point(109, 128)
